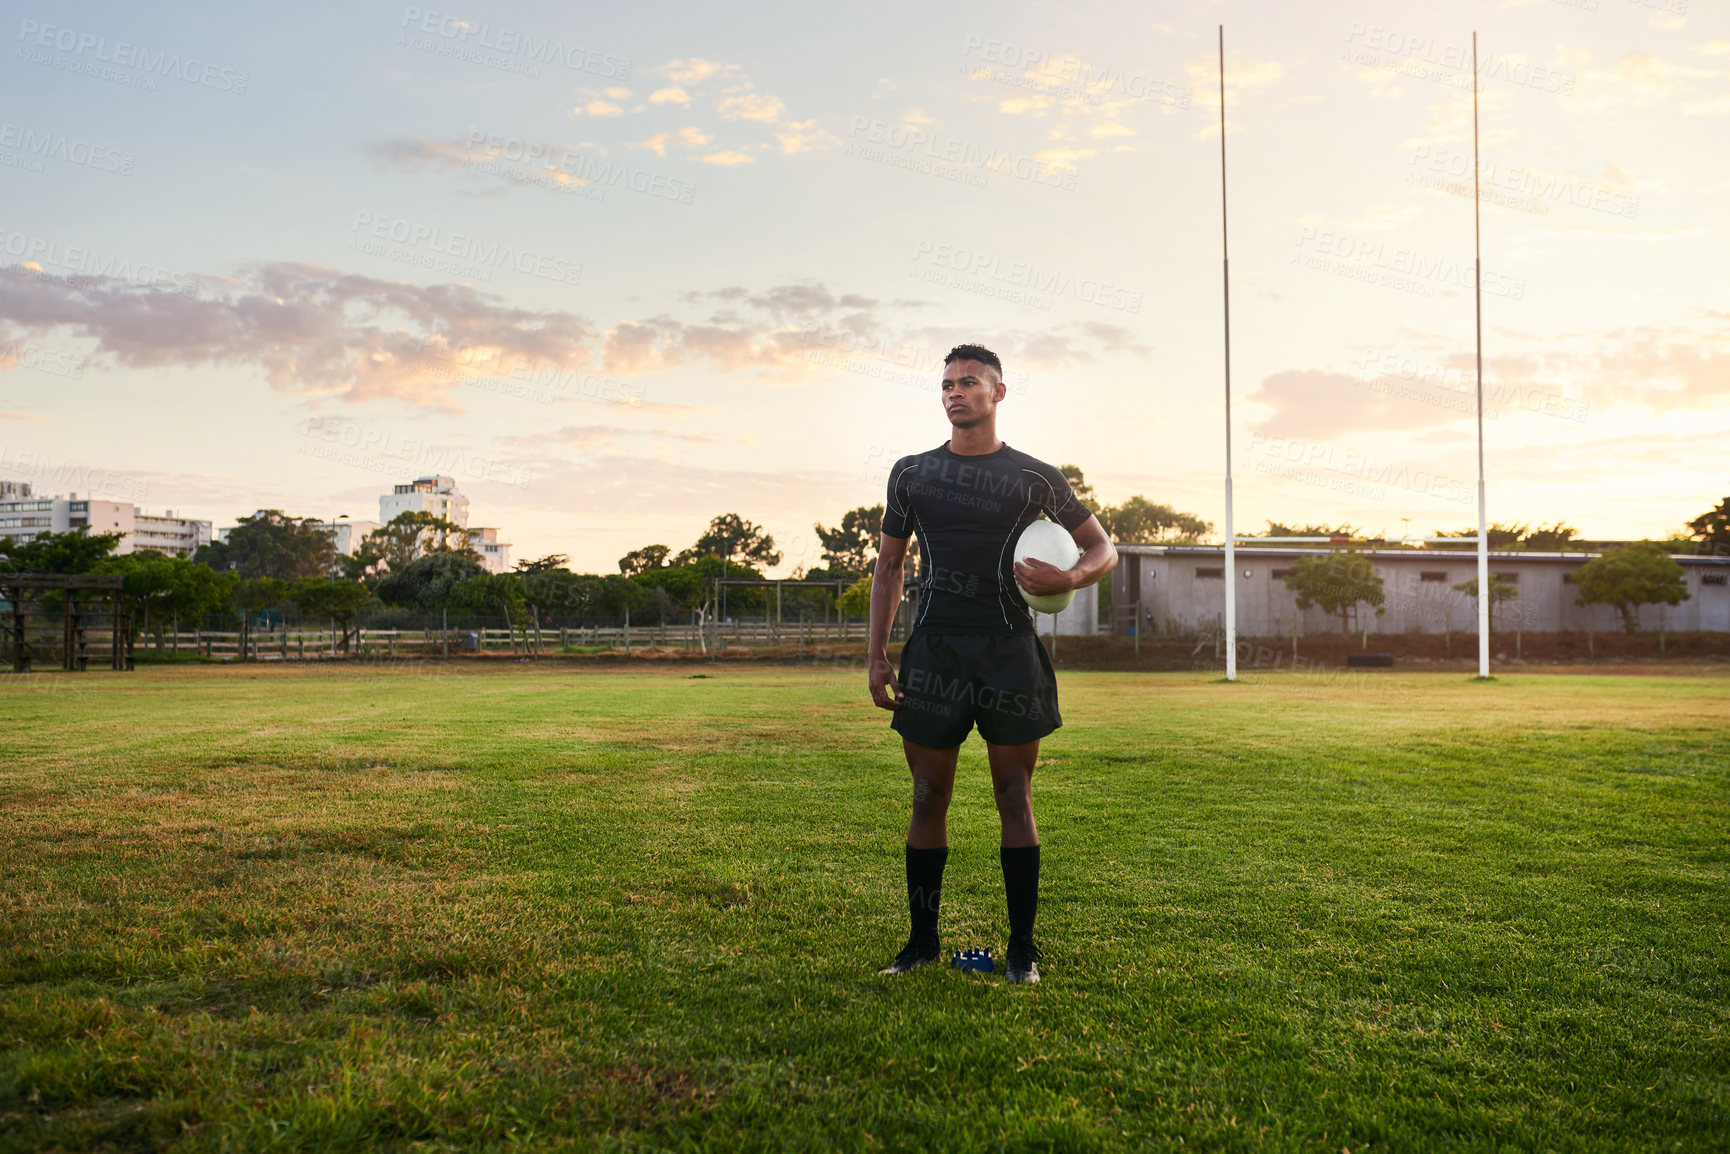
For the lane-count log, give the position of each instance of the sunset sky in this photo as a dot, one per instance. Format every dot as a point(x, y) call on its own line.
point(621, 268)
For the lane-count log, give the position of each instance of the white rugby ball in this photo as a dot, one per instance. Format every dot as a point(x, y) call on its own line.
point(1049, 542)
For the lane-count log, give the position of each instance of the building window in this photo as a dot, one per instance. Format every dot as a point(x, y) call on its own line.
point(1432, 575)
point(1510, 578)
point(1279, 574)
point(1203, 572)
point(1570, 579)
point(1713, 579)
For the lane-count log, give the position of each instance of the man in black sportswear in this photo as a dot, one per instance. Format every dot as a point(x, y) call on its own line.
point(972, 656)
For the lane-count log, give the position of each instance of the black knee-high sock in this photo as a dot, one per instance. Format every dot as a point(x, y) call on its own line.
point(925, 889)
point(1021, 886)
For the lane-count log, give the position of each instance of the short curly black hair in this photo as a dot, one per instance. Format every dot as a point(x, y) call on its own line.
point(975, 353)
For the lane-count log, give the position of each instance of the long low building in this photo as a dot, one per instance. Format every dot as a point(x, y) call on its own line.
point(1180, 589)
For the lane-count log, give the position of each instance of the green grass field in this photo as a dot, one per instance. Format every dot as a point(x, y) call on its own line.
point(487, 908)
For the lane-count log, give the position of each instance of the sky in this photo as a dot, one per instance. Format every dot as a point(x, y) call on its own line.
point(619, 269)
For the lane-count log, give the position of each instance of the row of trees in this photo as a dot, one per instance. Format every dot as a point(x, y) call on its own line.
point(1706, 534)
point(423, 564)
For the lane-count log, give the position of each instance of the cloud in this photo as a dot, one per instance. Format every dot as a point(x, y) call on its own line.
point(1381, 217)
point(311, 330)
point(1244, 78)
point(802, 136)
point(1663, 368)
point(320, 332)
point(1678, 368)
point(692, 71)
point(483, 159)
point(593, 437)
point(748, 105)
point(1582, 232)
point(1317, 404)
point(1644, 80)
point(737, 102)
point(1064, 157)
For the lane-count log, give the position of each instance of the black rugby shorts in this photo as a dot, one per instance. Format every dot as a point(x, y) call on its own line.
point(954, 681)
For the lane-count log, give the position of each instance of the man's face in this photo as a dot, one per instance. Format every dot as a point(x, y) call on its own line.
point(970, 392)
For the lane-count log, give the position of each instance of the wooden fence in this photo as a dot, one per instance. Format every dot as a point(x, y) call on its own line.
point(310, 644)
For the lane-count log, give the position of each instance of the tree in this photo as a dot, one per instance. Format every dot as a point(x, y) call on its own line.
point(685, 588)
point(1500, 535)
point(852, 547)
point(732, 538)
point(542, 564)
point(554, 588)
point(1079, 486)
point(614, 595)
point(252, 595)
point(1550, 538)
point(643, 560)
point(1713, 528)
point(1139, 521)
point(79, 551)
point(272, 544)
point(426, 582)
point(159, 589)
point(1629, 576)
point(491, 595)
point(412, 535)
point(855, 601)
point(1281, 529)
point(366, 562)
point(1339, 583)
point(1500, 591)
point(331, 597)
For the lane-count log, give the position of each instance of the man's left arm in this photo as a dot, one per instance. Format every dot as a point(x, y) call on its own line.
point(1098, 557)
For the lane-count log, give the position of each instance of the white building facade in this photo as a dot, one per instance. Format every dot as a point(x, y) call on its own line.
point(438, 496)
point(23, 516)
